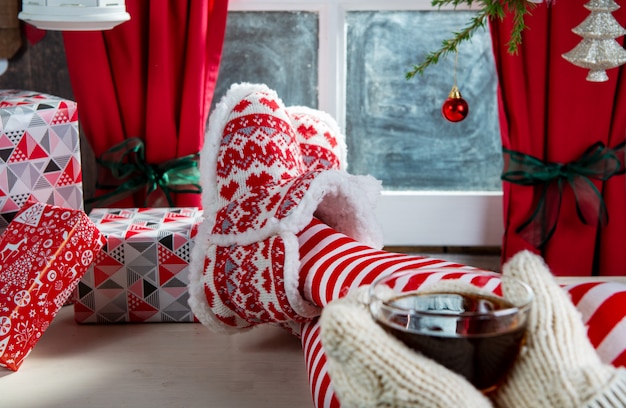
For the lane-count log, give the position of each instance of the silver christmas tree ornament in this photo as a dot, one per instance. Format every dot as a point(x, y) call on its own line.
point(598, 51)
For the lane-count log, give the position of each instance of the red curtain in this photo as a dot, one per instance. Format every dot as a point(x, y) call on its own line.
point(150, 78)
point(550, 111)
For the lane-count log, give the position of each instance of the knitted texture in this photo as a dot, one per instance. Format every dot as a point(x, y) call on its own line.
point(558, 366)
point(599, 302)
point(258, 192)
point(247, 280)
point(369, 368)
point(333, 265)
point(322, 144)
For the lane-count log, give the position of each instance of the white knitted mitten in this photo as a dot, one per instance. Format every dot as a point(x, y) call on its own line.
point(370, 368)
point(558, 366)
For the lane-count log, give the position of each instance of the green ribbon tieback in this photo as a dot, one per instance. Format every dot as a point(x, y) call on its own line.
point(126, 164)
point(597, 162)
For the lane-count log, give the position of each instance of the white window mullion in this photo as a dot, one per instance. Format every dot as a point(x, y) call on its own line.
point(331, 62)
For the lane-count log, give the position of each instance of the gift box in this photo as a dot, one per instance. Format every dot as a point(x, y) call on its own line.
point(141, 275)
point(39, 152)
point(44, 252)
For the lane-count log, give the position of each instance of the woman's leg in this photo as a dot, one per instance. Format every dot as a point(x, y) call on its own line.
point(603, 309)
point(260, 256)
point(332, 264)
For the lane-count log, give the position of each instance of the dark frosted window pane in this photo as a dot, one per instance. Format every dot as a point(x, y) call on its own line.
point(279, 49)
point(394, 127)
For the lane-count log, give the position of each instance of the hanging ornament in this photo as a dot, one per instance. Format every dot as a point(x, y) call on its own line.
point(598, 51)
point(455, 108)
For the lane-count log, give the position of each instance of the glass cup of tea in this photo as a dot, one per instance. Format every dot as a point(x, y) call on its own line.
point(471, 322)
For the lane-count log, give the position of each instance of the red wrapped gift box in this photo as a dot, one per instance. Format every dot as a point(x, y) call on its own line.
point(44, 252)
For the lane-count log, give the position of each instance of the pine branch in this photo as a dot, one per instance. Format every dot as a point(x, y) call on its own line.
point(520, 9)
point(490, 9)
point(450, 45)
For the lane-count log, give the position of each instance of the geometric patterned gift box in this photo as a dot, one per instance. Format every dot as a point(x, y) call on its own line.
point(141, 274)
point(39, 152)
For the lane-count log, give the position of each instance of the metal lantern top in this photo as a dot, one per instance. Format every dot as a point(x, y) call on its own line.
point(74, 15)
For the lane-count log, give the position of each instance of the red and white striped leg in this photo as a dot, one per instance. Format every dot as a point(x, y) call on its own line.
point(331, 263)
point(602, 305)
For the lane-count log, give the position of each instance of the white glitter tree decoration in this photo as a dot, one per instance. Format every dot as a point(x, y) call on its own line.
point(598, 51)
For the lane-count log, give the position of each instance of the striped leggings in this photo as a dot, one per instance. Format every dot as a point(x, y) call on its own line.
point(332, 264)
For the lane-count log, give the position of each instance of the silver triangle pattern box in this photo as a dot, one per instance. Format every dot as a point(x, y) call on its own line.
point(39, 152)
point(142, 273)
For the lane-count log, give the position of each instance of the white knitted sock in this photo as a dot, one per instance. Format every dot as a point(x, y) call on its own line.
point(322, 144)
point(558, 366)
point(262, 181)
point(370, 368)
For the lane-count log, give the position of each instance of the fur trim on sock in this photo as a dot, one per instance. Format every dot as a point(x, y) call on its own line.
point(282, 207)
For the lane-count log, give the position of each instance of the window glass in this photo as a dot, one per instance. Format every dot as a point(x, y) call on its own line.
point(395, 128)
point(276, 48)
point(441, 180)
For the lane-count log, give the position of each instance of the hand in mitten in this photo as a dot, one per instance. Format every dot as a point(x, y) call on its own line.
point(558, 366)
point(368, 367)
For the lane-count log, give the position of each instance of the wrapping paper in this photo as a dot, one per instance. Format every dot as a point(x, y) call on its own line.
point(39, 152)
point(141, 275)
point(44, 252)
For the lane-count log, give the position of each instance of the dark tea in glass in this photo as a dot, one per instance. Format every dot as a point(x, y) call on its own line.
point(474, 326)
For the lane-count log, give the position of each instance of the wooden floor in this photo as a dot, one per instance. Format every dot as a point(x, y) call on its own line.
point(164, 365)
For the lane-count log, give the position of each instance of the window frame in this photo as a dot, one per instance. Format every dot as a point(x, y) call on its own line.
point(408, 218)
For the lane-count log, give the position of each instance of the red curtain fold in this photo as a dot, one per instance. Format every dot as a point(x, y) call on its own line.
point(549, 110)
point(152, 77)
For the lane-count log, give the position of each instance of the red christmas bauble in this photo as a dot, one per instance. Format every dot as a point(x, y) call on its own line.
point(455, 108)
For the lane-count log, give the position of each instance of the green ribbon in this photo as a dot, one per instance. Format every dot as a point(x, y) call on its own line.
point(126, 163)
point(597, 162)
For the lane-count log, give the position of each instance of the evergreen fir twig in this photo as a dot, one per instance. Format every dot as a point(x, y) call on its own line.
point(490, 9)
point(520, 9)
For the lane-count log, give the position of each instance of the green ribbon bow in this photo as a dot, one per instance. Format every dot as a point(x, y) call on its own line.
point(126, 162)
point(597, 162)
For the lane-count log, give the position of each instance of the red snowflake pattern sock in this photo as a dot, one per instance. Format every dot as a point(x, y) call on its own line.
point(265, 172)
point(322, 144)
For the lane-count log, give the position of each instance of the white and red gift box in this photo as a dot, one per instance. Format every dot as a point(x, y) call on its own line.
point(44, 252)
point(141, 275)
point(39, 152)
